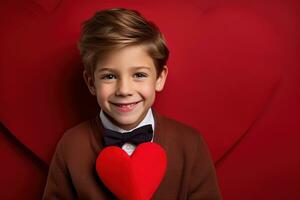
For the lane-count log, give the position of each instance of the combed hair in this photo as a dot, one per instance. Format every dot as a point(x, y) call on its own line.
point(115, 28)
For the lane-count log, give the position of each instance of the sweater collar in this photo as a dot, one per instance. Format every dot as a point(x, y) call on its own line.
point(97, 130)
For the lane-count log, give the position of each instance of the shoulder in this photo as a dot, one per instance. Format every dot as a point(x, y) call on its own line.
point(176, 130)
point(182, 139)
point(75, 136)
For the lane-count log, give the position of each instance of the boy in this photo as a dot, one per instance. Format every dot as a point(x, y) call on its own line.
point(125, 60)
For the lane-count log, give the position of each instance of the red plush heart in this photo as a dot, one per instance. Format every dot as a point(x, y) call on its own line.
point(136, 177)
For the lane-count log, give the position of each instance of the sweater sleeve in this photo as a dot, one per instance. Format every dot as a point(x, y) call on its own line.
point(203, 183)
point(59, 184)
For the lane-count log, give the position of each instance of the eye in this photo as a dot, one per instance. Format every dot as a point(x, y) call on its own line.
point(140, 75)
point(108, 76)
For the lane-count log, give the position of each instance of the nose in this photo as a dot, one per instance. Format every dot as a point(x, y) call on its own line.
point(124, 87)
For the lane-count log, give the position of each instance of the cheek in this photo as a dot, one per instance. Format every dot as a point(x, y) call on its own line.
point(104, 91)
point(148, 90)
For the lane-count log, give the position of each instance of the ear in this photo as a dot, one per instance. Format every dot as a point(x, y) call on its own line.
point(160, 81)
point(88, 79)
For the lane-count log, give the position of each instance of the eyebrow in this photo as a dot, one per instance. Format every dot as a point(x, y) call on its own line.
point(113, 70)
point(141, 67)
point(105, 69)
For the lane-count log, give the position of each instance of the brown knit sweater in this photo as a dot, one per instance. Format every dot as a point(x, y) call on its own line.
point(190, 172)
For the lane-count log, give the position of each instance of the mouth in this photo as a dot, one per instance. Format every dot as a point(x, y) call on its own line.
point(125, 107)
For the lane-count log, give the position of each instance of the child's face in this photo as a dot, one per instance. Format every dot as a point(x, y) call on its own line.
point(125, 85)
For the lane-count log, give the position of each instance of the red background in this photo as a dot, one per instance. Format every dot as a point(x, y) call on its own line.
point(234, 74)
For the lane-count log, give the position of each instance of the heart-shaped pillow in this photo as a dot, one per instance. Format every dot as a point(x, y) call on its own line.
point(134, 177)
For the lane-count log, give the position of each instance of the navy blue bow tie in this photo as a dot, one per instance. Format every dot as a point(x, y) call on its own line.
point(137, 136)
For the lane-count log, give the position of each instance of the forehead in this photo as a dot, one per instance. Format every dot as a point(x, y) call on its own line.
point(127, 57)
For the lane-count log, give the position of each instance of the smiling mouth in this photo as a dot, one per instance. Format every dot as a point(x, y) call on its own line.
point(125, 107)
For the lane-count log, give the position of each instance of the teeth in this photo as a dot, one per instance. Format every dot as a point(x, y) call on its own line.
point(123, 106)
point(128, 105)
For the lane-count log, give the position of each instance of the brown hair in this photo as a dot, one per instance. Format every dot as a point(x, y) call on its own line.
point(116, 28)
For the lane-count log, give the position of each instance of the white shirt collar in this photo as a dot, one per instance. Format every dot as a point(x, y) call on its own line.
point(149, 119)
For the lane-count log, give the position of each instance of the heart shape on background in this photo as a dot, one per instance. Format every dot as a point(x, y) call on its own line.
point(134, 177)
point(220, 54)
point(230, 76)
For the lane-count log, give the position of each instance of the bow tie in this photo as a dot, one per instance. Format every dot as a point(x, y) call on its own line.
point(137, 136)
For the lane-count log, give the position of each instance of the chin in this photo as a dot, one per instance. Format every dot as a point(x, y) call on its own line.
point(126, 122)
point(130, 119)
